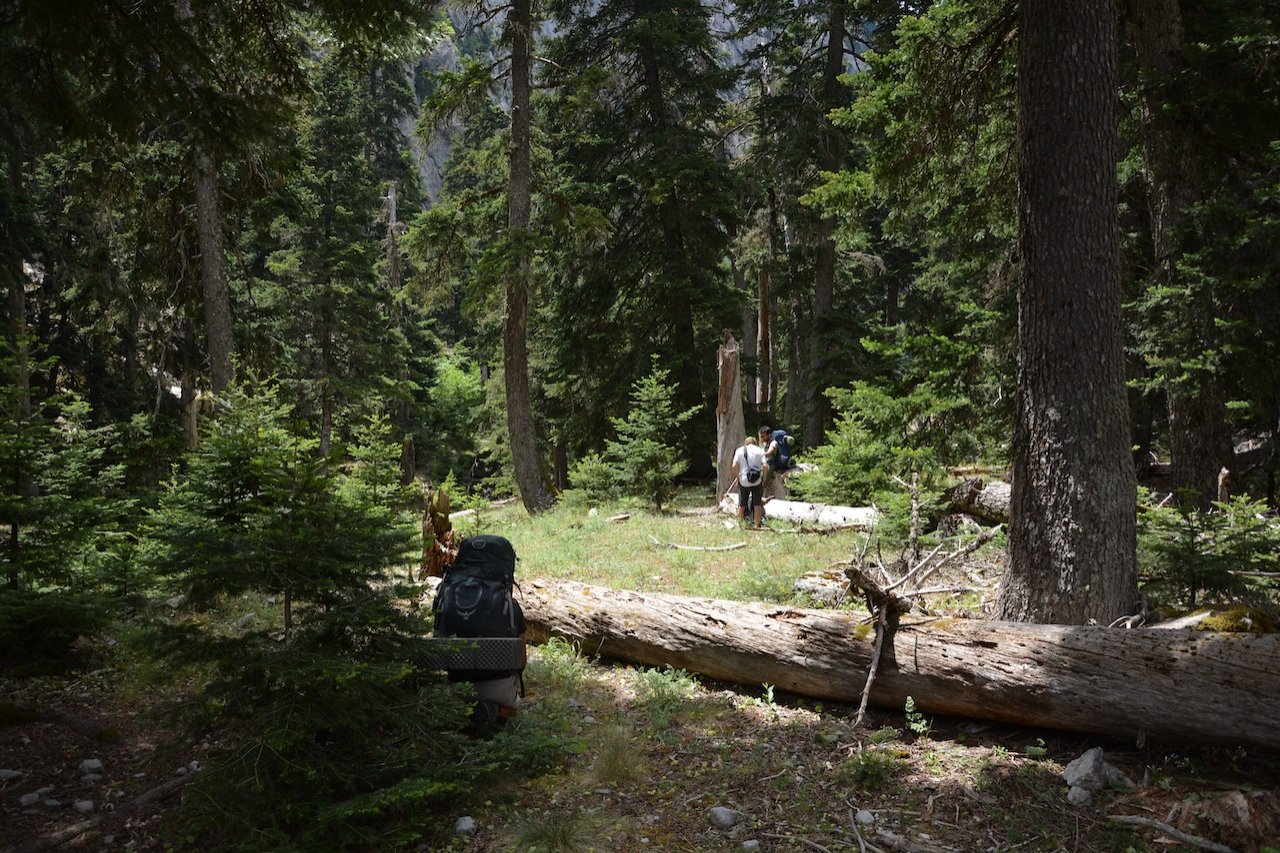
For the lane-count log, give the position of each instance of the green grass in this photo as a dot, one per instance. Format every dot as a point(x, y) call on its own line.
point(569, 544)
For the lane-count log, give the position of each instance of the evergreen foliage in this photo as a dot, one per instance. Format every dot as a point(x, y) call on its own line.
point(641, 462)
point(342, 739)
point(636, 131)
point(1219, 557)
point(65, 517)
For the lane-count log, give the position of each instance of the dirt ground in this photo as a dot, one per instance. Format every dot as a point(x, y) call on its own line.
point(796, 775)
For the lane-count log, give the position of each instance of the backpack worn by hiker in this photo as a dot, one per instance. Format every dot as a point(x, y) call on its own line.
point(753, 471)
point(783, 459)
point(475, 600)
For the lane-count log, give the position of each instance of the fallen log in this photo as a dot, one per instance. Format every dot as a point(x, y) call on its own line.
point(986, 501)
point(799, 512)
point(1168, 684)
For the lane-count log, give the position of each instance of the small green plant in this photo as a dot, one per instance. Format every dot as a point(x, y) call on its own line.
point(886, 734)
point(662, 691)
point(767, 701)
point(559, 667)
point(870, 769)
point(643, 460)
point(917, 722)
point(1037, 749)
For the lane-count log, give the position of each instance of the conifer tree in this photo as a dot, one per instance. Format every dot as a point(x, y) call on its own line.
point(637, 129)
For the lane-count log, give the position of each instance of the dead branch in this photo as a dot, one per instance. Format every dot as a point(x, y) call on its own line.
point(905, 845)
point(1176, 835)
point(881, 630)
point(62, 836)
point(735, 546)
point(938, 590)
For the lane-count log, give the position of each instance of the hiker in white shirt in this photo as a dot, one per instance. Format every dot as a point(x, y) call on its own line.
point(748, 467)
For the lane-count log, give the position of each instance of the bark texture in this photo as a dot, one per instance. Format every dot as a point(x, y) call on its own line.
point(731, 427)
point(1072, 515)
point(515, 328)
point(831, 156)
point(1169, 684)
point(213, 277)
point(989, 502)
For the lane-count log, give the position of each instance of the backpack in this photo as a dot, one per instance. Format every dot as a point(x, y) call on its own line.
point(475, 597)
point(782, 460)
point(752, 472)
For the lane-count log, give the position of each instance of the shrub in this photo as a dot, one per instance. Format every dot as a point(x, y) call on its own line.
point(38, 629)
point(638, 463)
point(1189, 556)
point(342, 741)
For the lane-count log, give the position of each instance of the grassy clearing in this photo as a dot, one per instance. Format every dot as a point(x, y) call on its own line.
point(652, 750)
point(569, 543)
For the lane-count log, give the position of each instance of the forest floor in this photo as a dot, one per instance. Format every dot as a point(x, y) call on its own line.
point(656, 751)
point(652, 752)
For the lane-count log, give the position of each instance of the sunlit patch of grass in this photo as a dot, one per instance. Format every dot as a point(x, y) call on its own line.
point(555, 831)
point(569, 543)
point(617, 760)
point(560, 668)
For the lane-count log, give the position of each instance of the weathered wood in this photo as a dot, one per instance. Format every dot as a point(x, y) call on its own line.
point(1169, 684)
point(987, 501)
point(731, 428)
point(799, 512)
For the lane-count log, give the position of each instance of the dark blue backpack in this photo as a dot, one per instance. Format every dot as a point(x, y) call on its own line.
point(475, 597)
point(782, 460)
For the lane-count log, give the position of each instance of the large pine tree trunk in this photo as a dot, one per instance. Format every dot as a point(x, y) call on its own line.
point(764, 341)
point(515, 328)
point(1169, 684)
point(21, 414)
point(1072, 548)
point(831, 156)
point(213, 278)
point(1199, 437)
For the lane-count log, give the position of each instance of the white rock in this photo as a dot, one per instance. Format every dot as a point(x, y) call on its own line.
point(177, 601)
point(91, 765)
point(83, 806)
point(1079, 796)
point(108, 840)
point(1092, 772)
point(465, 827)
point(29, 799)
point(7, 775)
point(723, 818)
point(91, 777)
point(864, 817)
point(51, 803)
point(752, 844)
point(194, 766)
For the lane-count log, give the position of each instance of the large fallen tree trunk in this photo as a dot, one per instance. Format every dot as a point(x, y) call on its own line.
point(799, 512)
point(1169, 684)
